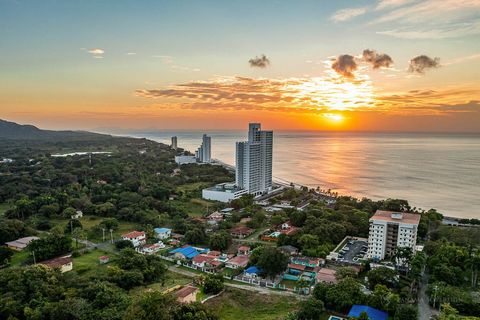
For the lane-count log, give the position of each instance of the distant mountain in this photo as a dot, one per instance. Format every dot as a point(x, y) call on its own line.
point(15, 131)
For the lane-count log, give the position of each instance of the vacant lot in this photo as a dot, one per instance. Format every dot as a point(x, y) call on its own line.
point(240, 304)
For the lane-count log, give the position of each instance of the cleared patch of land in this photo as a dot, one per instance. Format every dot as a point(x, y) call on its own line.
point(241, 304)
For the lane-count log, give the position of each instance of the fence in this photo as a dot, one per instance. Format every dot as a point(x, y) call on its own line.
point(243, 279)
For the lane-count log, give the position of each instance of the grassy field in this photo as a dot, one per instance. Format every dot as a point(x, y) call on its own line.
point(195, 207)
point(89, 222)
point(89, 264)
point(19, 257)
point(240, 304)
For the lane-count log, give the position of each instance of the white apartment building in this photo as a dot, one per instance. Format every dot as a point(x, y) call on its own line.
point(254, 161)
point(184, 159)
point(389, 230)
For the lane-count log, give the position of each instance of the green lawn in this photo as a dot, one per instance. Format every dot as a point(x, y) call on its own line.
point(89, 222)
point(19, 257)
point(241, 304)
point(88, 263)
point(194, 207)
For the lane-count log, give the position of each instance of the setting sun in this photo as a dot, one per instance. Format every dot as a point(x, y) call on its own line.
point(334, 117)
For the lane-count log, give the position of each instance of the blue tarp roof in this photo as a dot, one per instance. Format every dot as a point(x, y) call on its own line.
point(188, 252)
point(253, 269)
point(162, 230)
point(373, 314)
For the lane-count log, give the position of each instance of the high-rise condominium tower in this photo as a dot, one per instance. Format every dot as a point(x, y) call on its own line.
point(254, 161)
point(174, 143)
point(204, 152)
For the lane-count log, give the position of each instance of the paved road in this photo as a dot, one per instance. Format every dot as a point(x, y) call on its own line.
point(425, 312)
point(261, 290)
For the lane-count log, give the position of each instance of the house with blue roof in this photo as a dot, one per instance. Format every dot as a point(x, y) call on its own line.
point(253, 271)
point(184, 253)
point(373, 314)
point(162, 233)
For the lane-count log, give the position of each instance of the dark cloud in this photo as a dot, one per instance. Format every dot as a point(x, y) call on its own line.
point(421, 63)
point(377, 60)
point(345, 65)
point(259, 62)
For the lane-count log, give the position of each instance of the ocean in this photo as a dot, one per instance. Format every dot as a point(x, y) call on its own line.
point(440, 171)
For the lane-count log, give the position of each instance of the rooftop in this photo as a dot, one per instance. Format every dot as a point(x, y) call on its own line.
point(188, 252)
point(133, 234)
point(373, 314)
point(225, 187)
point(239, 260)
point(392, 216)
point(57, 262)
point(186, 291)
point(21, 243)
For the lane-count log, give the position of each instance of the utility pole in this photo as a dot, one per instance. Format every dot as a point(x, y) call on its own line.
point(34, 260)
point(103, 234)
point(111, 234)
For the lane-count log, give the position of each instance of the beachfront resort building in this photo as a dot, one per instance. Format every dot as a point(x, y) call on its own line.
point(223, 192)
point(389, 230)
point(254, 161)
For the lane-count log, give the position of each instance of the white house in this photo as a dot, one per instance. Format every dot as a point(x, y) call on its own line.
point(152, 248)
point(78, 214)
point(137, 238)
point(163, 233)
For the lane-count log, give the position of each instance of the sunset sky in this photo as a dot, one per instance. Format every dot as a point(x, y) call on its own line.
point(388, 65)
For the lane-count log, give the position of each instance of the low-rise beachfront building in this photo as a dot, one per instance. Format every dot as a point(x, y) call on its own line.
point(187, 294)
point(64, 264)
point(223, 192)
point(201, 260)
point(137, 238)
point(372, 313)
point(184, 253)
point(244, 250)
point(185, 159)
point(308, 261)
point(237, 262)
point(253, 272)
point(289, 250)
point(214, 218)
point(162, 233)
point(103, 259)
point(241, 232)
point(390, 230)
point(20, 244)
point(152, 248)
point(326, 275)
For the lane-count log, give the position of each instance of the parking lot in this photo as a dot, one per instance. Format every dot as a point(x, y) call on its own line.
point(353, 251)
